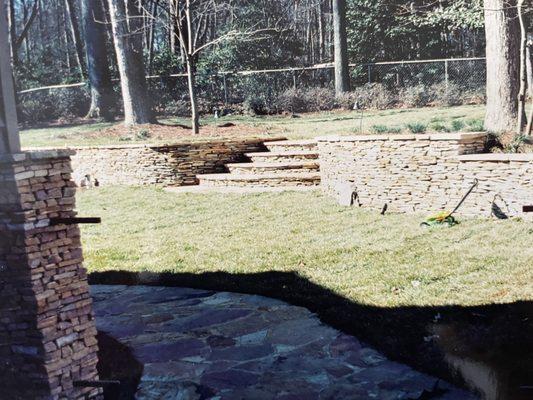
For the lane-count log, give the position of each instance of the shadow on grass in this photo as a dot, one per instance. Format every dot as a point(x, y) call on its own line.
point(489, 347)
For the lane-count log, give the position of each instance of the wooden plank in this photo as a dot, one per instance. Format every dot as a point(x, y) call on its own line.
point(74, 221)
point(9, 140)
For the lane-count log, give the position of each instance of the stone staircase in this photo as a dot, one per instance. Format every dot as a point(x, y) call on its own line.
point(287, 164)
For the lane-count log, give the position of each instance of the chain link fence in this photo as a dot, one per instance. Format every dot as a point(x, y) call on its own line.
point(170, 93)
point(468, 74)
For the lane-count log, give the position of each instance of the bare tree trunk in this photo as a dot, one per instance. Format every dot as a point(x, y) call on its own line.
point(529, 69)
point(12, 31)
point(97, 61)
point(76, 37)
point(523, 71)
point(503, 55)
point(342, 73)
point(137, 105)
point(191, 80)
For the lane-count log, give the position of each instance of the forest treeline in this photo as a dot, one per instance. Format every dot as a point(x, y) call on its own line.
point(48, 46)
point(106, 41)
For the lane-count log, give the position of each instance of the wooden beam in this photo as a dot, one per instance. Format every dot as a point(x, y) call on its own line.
point(9, 134)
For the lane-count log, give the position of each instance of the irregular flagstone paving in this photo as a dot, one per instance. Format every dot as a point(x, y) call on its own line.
point(199, 344)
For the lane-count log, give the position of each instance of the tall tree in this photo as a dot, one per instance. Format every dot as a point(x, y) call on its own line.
point(97, 61)
point(137, 104)
point(502, 32)
point(342, 72)
point(76, 36)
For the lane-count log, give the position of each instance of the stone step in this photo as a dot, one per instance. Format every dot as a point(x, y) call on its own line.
point(292, 145)
point(283, 156)
point(274, 168)
point(260, 180)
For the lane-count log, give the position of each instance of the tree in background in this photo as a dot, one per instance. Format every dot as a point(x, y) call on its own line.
point(127, 39)
point(71, 11)
point(192, 19)
point(342, 72)
point(97, 60)
point(503, 60)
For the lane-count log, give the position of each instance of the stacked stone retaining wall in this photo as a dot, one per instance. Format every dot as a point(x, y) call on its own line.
point(165, 165)
point(426, 173)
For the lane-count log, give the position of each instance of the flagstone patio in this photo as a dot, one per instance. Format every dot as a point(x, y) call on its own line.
point(198, 344)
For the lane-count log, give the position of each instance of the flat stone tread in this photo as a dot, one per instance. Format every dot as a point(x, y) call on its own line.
point(283, 153)
point(303, 142)
point(278, 165)
point(201, 344)
point(240, 189)
point(256, 177)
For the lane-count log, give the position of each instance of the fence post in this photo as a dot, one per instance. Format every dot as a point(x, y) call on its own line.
point(446, 75)
point(294, 79)
point(369, 73)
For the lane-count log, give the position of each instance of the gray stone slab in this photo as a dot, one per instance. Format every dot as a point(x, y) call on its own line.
point(198, 344)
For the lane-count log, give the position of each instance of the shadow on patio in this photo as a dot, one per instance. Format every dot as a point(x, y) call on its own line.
point(487, 347)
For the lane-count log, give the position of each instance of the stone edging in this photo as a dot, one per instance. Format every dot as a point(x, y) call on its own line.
point(36, 155)
point(460, 137)
point(250, 140)
point(496, 157)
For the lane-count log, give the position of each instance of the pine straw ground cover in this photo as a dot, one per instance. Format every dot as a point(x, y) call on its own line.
point(310, 125)
point(382, 278)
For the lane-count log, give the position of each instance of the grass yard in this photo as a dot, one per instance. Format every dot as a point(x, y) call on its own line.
point(420, 296)
point(383, 261)
point(305, 126)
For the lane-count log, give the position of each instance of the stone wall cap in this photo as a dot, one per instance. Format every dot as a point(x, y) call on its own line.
point(36, 155)
point(50, 154)
point(497, 157)
point(11, 158)
point(459, 136)
point(184, 142)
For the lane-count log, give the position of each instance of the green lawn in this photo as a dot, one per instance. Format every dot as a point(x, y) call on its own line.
point(305, 126)
point(383, 261)
point(414, 294)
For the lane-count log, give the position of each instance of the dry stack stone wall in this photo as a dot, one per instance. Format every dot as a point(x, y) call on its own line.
point(426, 173)
point(47, 329)
point(165, 165)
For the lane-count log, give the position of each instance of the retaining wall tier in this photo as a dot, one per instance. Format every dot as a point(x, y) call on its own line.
point(165, 165)
point(47, 329)
point(426, 173)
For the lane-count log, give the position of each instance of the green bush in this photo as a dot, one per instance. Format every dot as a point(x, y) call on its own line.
point(443, 95)
point(374, 96)
point(475, 125)
point(416, 127)
point(382, 129)
point(458, 125)
point(440, 127)
point(415, 96)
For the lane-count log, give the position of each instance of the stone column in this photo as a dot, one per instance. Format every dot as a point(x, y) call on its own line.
point(47, 329)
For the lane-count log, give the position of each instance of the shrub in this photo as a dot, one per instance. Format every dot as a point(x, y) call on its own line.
point(457, 125)
point(54, 104)
point(416, 127)
point(440, 127)
point(255, 106)
point(179, 108)
point(318, 99)
point(475, 125)
point(374, 95)
point(346, 101)
point(414, 96)
point(445, 95)
point(305, 100)
point(381, 129)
